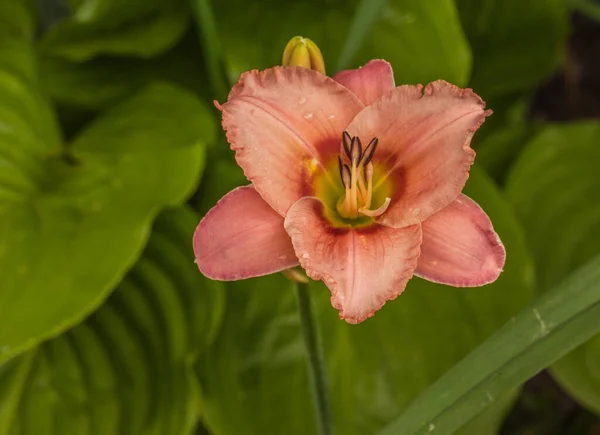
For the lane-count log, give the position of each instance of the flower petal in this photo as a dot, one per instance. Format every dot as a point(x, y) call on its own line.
point(460, 247)
point(282, 123)
point(424, 140)
point(363, 268)
point(370, 82)
point(242, 237)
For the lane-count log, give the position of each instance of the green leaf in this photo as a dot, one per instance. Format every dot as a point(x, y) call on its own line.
point(365, 16)
point(75, 218)
point(500, 148)
point(129, 368)
point(539, 335)
point(587, 7)
point(211, 47)
point(16, 19)
point(254, 377)
point(423, 40)
point(103, 81)
point(220, 177)
point(554, 187)
point(135, 27)
point(515, 44)
point(404, 31)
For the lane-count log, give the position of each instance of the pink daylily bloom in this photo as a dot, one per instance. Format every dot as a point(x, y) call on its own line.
point(356, 180)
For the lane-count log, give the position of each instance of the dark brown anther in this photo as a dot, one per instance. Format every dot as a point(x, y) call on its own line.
point(370, 151)
point(346, 143)
point(344, 173)
point(355, 150)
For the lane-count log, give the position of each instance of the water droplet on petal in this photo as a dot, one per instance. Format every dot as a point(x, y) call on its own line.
point(305, 255)
point(302, 100)
point(309, 115)
point(332, 116)
point(283, 257)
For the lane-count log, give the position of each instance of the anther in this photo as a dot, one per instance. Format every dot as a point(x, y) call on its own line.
point(355, 150)
point(369, 151)
point(345, 174)
point(357, 178)
point(346, 143)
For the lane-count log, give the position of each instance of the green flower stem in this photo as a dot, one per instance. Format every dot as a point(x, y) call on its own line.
point(316, 362)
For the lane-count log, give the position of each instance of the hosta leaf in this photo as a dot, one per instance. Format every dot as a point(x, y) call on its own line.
point(129, 367)
point(101, 82)
point(515, 44)
point(423, 41)
point(497, 152)
point(135, 27)
point(401, 34)
point(555, 189)
point(16, 19)
point(255, 380)
point(74, 217)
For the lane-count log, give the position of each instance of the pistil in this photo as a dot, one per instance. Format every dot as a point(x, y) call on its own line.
point(356, 173)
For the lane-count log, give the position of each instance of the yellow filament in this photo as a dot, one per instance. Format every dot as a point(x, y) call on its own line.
point(354, 191)
point(362, 190)
point(377, 212)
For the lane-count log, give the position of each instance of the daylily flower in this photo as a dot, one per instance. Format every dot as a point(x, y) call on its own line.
point(356, 180)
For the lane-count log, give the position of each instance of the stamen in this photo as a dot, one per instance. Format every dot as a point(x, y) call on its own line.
point(357, 178)
point(377, 212)
point(344, 173)
point(362, 189)
point(353, 189)
point(346, 143)
point(370, 151)
point(369, 177)
point(355, 150)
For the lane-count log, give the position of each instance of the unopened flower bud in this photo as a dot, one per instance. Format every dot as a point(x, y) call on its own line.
point(305, 53)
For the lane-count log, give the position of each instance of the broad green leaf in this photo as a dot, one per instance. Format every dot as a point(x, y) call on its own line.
point(555, 189)
point(539, 335)
point(423, 40)
point(134, 27)
point(101, 82)
point(129, 368)
point(498, 150)
point(255, 380)
point(16, 19)
point(75, 217)
point(404, 31)
point(516, 44)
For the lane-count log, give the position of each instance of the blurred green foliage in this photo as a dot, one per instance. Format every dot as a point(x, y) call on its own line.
point(555, 187)
point(106, 119)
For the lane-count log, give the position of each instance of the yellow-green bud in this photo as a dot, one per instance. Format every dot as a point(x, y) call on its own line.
point(305, 53)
